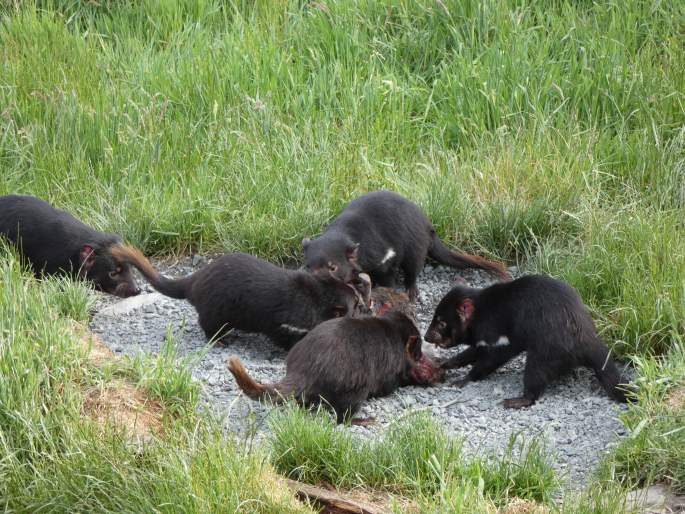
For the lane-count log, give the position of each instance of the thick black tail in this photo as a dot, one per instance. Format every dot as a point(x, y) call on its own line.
point(174, 288)
point(444, 255)
point(608, 375)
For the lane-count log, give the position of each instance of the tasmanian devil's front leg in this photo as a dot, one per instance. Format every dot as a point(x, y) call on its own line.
point(462, 359)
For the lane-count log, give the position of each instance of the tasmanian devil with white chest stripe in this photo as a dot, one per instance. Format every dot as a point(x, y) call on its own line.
point(54, 242)
point(539, 315)
point(241, 291)
point(342, 362)
point(378, 234)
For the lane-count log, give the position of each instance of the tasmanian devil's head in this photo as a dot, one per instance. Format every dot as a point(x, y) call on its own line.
point(425, 372)
point(419, 369)
point(339, 299)
point(332, 255)
point(452, 318)
point(107, 273)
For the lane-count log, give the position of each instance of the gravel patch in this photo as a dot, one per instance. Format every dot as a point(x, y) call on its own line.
point(576, 419)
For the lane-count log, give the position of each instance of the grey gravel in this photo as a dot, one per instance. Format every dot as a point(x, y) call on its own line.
point(575, 418)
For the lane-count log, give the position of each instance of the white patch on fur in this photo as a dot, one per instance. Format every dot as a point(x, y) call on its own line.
point(388, 255)
point(293, 329)
point(502, 341)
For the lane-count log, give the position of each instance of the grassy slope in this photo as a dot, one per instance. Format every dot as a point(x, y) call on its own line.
point(545, 133)
point(524, 129)
point(55, 459)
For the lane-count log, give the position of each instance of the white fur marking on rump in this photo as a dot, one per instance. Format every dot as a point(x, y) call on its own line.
point(480, 344)
point(294, 330)
point(388, 255)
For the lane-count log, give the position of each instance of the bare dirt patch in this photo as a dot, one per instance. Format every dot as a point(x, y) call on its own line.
point(117, 402)
point(676, 399)
point(521, 506)
point(98, 352)
point(125, 406)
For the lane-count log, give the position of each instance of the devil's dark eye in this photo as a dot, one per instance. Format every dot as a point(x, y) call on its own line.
point(442, 325)
point(332, 267)
point(115, 272)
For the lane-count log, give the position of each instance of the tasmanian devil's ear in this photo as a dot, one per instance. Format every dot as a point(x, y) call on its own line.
point(364, 288)
point(305, 242)
point(353, 252)
point(465, 310)
point(87, 257)
point(412, 349)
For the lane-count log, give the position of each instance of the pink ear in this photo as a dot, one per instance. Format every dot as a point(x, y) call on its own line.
point(465, 310)
point(353, 252)
point(87, 257)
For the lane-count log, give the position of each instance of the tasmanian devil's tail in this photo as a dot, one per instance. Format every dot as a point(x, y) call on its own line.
point(174, 288)
point(444, 255)
point(250, 386)
point(608, 375)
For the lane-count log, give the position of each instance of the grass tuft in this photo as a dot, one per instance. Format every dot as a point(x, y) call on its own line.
point(58, 454)
point(413, 458)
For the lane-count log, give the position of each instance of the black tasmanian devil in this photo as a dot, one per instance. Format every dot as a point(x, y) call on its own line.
point(54, 242)
point(540, 315)
point(342, 362)
point(241, 291)
point(380, 233)
point(384, 299)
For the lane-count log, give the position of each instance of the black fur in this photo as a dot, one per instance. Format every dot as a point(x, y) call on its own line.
point(344, 362)
point(241, 291)
point(538, 314)
point(54, 242)
point(371, 226)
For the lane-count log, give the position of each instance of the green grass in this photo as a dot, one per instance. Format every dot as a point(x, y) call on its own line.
point(629, 268)
point(547, 134)
point(414, 458)
point(518, 127)
point(655, 449)
point(54, 459)
point(165, 376)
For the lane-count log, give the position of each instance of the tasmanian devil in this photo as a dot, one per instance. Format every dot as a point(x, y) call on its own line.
point(540, 315)
point(384, 299)
point(53, 242)
point(380, 233)
point(342, 362)
point(241, 291)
